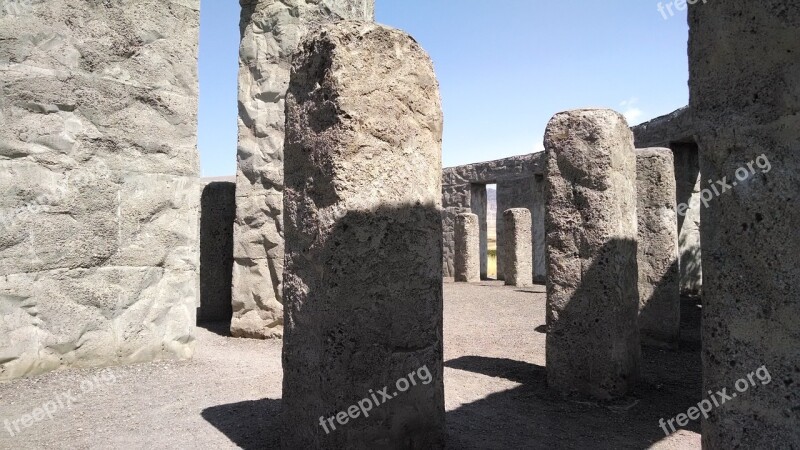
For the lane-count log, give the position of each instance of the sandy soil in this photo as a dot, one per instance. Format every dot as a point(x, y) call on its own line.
point(229, 395)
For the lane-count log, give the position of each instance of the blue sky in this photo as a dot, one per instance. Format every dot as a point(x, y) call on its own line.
point(504, 67)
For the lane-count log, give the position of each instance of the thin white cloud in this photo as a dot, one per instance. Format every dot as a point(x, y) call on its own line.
point(630, 110)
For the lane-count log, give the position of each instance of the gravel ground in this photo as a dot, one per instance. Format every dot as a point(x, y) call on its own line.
point(228, 396)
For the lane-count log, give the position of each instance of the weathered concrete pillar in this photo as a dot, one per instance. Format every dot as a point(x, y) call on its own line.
point(99, 192)
point(538, 212)
point(217, 213)
point(744, 87)
point(687, 188)
point(518, 249)
point(479, 207)
point(516, 193)
point(592, 296)
point(659, 277)
point(468, 248)
point(270, 30)
point(363, 280)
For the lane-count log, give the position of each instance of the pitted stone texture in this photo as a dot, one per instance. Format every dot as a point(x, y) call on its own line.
point(676, 131)
point(271, 30)
point(745, 95)
point(688, 187)
point(363, 281)
point(218, 211)
point(659, 277)
point(99, 197)
point(518, 253)
point(468, 247)
point(592, 295)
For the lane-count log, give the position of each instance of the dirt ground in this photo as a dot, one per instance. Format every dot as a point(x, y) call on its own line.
point(228, 396)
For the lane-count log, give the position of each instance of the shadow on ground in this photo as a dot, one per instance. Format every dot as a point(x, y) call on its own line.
point(531, 415)
point(250, 425)
point(220, 328)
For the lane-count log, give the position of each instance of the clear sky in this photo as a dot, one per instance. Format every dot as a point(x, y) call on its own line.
point(504, 67)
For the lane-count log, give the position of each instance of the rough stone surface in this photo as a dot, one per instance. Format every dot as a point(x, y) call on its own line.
point(217, 213)
point(687, 179)
point(592, 295)
point(461, 192)
point(363, 281)
point(745, 95)
point(270, 32)
point(676, 131)
point(518, 255)
point(468, 261)
point(659, 277)
point(665, 130)
point(99, 197)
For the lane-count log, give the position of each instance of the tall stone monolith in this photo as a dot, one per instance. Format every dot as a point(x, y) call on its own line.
point(363, 279)
point(659, 275)
point(745, 96)
point(592, 295)
point(270, 31)
point(99, 188)
point(518, 247)
point(467, 248)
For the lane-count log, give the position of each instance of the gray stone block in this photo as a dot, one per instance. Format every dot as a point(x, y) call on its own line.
point(592, 296)
point(218, 212)
point(99, 198)
point(468, 247)
point(518, 253)
point(745, 97)
point(363, 280)
point(659, 277)
point(271, 30)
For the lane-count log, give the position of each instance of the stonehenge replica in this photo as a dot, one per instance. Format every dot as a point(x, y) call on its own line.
point(271, 31)
point(518, 252)
point(363, 275)
point(593, 345)
point(659, 277)
point(341, 232)
point(467, 248)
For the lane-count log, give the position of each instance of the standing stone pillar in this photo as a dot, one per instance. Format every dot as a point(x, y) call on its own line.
point(659, 275)
point(592, 296)
point(363, 279)
point(518, 254)
point(99, 189)
point(744, 94)
point(217, 214)
point(468, 247)
point(271, 30)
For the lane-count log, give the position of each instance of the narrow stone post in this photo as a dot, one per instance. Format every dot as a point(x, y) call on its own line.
point(468, 247)
point(363, 276)
point(270, 31)
point(745, 97)
point(518, 254)
point(659, 276)
point(592, 295)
